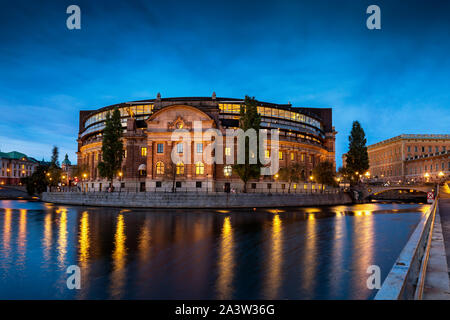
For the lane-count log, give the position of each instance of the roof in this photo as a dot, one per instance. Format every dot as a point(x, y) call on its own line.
point(412, 137)
point(15, 155)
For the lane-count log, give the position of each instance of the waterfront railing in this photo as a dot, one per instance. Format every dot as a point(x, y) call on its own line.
point(406, 279)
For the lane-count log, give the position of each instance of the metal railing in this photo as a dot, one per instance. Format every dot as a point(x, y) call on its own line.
point(406, 279)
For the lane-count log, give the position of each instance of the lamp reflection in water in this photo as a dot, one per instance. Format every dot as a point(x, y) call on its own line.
point(22, 239)
point(83, 252)
point(226, 262)
point(275, 260)
point(47, 240)
point(119, 259)
point(337, 253)
point(62, 237)
point(6, 239)
point(309, 259)
point(363, 247)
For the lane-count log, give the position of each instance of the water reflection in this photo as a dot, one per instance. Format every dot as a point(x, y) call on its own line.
point(6, 239)
point(47, 240)
point(309, 259)
point(275, 260)
point(22, 239)
point(226, 261)
point(119, 259)
point(297, 253)
point(62, 237)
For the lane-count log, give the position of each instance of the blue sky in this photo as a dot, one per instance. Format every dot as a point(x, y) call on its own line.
point(311, 53)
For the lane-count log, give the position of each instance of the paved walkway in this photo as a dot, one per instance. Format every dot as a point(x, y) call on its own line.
point(444, 211)
point(437, 285)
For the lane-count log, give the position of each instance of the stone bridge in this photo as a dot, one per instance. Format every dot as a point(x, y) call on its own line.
point(370, 190)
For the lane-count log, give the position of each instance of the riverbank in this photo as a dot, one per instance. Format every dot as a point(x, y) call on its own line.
point(14, 193)
point(194, 200)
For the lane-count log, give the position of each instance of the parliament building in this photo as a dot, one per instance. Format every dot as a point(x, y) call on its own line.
point(306, 136)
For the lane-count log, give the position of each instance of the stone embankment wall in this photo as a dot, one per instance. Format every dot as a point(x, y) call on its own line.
point(194, 200)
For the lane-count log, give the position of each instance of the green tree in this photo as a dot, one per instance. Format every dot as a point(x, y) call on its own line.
point(112, 147)
point(55, 154)
point(292, 173)
point(324, 174)
point(37, 182)
point(357, 156)
point(249, 119)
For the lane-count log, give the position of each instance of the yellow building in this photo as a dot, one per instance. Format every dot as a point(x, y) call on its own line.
point(407, 157)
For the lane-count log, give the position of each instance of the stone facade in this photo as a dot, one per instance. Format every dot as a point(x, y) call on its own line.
point(194, 200)
point(411, 157)
point(306, 136)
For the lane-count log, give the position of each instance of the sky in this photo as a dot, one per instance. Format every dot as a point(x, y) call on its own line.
point(310, 53)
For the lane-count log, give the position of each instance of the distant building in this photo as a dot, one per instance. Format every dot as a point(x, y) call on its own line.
point(67, 169)
point(418, 157)
point(14, 166)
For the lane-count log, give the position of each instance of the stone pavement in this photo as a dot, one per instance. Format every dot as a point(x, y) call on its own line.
point(444, 211)
point(438, 273)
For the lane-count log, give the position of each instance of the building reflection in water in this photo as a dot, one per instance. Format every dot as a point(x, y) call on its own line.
point(22, 239)
point(275, 260)
point(47, 240)
point(62, 237)
point(118, 275)
point(226, 261)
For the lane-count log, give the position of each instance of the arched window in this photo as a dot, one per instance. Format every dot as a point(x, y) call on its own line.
point(227, 170)
point(199, 168)
point(180, 168)
point(160, 167)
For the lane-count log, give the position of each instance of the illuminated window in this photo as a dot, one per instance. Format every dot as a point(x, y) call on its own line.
point(292, 156)
point(160, 167)
point(280, 155)
point(180, 148)
point(294, 186)
point(160, 148)
point(199, 168)
point(267, 154)
point(199, 147)
point(144, 151)
point(180, 168)
point(228, 151)
point(227, 170)
point(303, 157)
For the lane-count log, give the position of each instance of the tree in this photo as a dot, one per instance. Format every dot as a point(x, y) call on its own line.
point(357, 156)
point(292, 173)
point(112, 147)
point(249, 119)
point(170, 173)
point(37, 182)
point(55, 154)
point(324, 174)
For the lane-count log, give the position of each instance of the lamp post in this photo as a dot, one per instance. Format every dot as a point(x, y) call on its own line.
point(120, 180)
point(84, 181)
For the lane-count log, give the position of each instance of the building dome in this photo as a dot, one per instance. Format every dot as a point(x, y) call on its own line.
point(66, 161)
